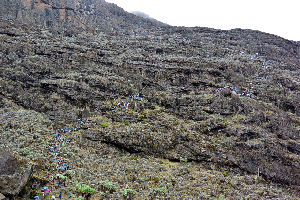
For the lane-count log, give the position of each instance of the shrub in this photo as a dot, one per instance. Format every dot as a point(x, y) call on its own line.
point(86, 189)
point(206, 196)
point(162, 189)
point(104, 125)
point(72, 154)
point(68, 172)
point(169, 185)
point(128, 191)
point(183, 159)
point(225, 174)
point(107, 186)
point(62, 177)
point(24, 151)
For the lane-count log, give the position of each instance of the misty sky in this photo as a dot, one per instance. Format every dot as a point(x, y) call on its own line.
point(277, 17)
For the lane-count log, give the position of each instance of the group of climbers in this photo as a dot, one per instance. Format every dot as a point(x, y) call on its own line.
point(135, 97)
point(120, 105)
point(265, 64)
point(125, 104)
point(263, 77)
point(246, 93)
point(61, 164)
point(254, 57)
point(269, 62)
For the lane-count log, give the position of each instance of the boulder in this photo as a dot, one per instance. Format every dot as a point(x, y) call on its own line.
point(2, 197)
point(14, 173)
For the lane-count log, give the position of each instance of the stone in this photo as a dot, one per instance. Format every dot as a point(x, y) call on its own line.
point(14, 173)
point(2, 197)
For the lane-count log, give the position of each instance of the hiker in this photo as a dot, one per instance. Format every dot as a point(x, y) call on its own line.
point(53, 197)
point(59, 195)
point(70, 195)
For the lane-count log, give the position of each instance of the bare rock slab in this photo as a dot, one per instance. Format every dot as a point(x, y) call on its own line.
point(14, 173)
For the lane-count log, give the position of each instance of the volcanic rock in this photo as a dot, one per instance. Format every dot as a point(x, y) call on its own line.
point(14, 173)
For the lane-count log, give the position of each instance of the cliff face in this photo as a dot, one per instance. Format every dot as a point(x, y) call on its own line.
point(224, 100)
point(62, 15)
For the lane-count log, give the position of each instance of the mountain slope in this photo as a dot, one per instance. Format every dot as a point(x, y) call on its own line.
point(222, 101)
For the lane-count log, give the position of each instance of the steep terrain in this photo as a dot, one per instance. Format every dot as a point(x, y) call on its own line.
point(173, 112)
point(73, 16)
point(146, 16)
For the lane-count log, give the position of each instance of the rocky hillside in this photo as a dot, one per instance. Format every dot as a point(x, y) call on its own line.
point(173, 112)
point(74, 16)
point(146, 16)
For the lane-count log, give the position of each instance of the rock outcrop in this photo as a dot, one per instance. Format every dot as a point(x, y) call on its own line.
point(74, 16)
point(14, 173)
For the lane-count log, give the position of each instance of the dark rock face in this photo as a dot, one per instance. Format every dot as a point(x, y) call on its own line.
point(14, 173)
point(72, 15)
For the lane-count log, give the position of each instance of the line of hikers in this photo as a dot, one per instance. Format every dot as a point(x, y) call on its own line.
point(59, 160)
point(265, 63)
point(126, 104)
point(262, 77)
point(246, 93)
